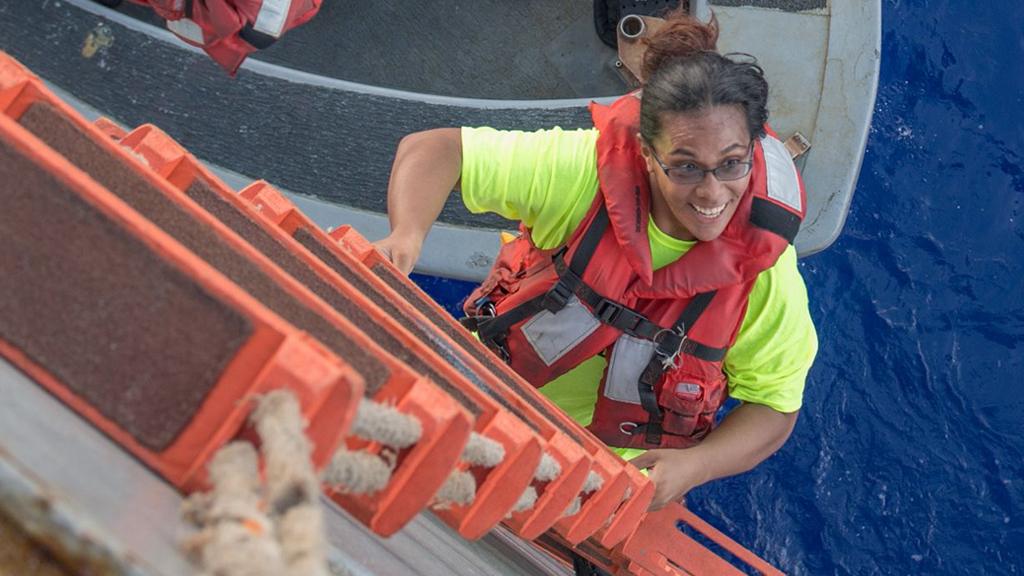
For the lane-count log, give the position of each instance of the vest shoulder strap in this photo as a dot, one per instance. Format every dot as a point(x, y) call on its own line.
point(665, 356)
point(782, 207)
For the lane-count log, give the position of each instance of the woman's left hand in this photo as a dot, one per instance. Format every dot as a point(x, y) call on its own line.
point(674, 473)
point(747, 435)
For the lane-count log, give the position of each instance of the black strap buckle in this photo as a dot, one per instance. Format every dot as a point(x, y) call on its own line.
point(557, 297)
point(499, 345)
point(484, 310)
point(484, 306)
point(607, 311)
point(618, 316)
point(483, 325)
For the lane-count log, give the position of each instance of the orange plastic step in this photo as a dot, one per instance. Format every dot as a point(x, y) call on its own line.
point(631, 510)
point(110, 128)
point(618, 477)
point(164, 377)
point(599, 506)
point(445, 424)
point(554, 496)
point(497, 486)
point(659, 547)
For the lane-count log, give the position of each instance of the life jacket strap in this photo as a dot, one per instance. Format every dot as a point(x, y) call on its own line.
point(650, 430)
point(255, 38)
point(570, 278)
point(670, 345)
point(493, 330)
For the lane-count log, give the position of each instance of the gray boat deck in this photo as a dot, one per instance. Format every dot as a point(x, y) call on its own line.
point(331, 139)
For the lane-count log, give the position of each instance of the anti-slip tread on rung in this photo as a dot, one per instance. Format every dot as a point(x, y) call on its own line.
point(446, 425)
point(120, 176)
point(104, 309)
point(204, 194)
point(522, 447)
point(79, 311)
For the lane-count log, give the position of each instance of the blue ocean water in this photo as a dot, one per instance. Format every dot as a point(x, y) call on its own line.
point(909, 454)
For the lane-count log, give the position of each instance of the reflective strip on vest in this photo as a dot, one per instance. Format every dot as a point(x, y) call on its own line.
point(783, 182)
point(272, 16)
point(555, 335)
point(630, 357)
point(187, 29)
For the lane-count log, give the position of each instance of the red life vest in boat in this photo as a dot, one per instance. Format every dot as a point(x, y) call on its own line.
point(230, 30)
point(666, 332)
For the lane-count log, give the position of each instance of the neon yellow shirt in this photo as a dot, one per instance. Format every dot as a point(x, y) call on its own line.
point(548, 180)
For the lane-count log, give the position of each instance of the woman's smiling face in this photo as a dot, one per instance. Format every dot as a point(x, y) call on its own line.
point(706, 139)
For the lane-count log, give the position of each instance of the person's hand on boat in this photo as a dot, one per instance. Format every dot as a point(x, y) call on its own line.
point(403, 251)
point(425, 171)
point(674, 473)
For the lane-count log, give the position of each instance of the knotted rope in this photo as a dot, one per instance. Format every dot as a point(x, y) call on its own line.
point(547, 470)
point(460, 487)
point(235, 536)
point(593, 484)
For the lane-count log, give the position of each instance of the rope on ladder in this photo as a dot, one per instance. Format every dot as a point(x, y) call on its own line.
point(236, 537)
point(547, 470)
point(593, 483)
point(293, 490)
point(359, 473)
point(460, 487)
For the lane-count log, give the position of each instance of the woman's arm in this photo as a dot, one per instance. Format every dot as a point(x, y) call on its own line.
point(747, 435)
point(426, 169)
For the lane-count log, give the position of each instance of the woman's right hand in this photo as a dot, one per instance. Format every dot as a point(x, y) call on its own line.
point(402, 250)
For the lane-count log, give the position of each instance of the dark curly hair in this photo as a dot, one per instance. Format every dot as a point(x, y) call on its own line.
point(684, 73)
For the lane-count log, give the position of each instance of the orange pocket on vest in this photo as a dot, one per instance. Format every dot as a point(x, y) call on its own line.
point(686, 407)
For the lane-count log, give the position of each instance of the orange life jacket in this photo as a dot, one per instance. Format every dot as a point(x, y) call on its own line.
point(230, 30)
point(666, 332)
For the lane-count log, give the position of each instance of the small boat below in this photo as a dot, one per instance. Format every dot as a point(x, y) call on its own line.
point(320, 113)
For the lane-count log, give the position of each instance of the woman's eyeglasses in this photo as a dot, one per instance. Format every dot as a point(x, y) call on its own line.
point(692, 174)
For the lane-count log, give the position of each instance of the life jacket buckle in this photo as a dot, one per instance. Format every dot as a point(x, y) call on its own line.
point(557, 297)
point(618, 316)
point(607, 311)
point(485, 307)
